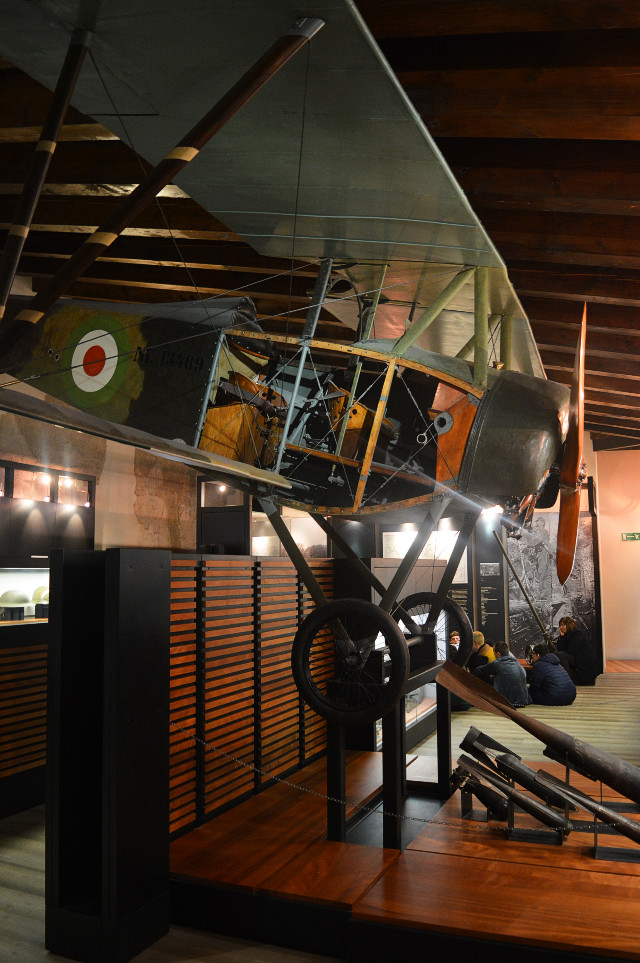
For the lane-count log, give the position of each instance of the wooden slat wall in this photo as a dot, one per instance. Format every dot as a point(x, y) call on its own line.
point(314, 726)
point(228, 680)
point(277, 619)
point(232, 625)
point(183, 691)
point(23, 708)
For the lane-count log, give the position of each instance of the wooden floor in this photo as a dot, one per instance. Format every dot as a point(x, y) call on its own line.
point(460, 889)
point(261, 883)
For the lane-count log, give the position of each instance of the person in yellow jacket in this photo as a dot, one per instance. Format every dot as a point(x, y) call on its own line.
point(482, 652)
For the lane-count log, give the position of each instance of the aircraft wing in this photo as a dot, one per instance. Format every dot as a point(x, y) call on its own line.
point(330, 158)
point(235, 473)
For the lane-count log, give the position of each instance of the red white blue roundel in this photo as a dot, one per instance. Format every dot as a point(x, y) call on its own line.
point(94, 360)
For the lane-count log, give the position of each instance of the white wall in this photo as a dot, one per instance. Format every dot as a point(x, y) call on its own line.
point(618, 501)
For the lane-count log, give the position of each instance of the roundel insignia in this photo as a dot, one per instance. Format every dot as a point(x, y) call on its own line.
point(94, 361)
point(97, 354)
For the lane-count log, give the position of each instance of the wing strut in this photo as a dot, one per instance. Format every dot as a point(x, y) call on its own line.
point(165, 171)
point(40, 162)
point(422, 323)
point(311, 321)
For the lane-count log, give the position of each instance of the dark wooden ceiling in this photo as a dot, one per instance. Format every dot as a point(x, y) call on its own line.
point(535, 105)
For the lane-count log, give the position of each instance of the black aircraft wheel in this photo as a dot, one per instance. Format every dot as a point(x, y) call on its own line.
point(350, 661)
point(419, 605)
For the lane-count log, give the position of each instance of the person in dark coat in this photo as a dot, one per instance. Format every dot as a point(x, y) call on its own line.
point(507, 675)
point(549, 683)
point(576, 653)
point(481, 654)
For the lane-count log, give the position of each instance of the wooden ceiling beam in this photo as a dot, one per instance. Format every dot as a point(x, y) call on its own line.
point(532, 49)
point(608, 344)
point(89, 162)
point(514, 250)
point(560, 153)
point(605, 228)
point(613, 443)
point(282, 287)
point(579, 192)
point(140, 291)
point(557, 357)
point(610, 383)
point(167, 212)
point(212, 254)
point(611, 319)
point(567, 281)
point(405, 18)
point(572, 102)
point(613, 425)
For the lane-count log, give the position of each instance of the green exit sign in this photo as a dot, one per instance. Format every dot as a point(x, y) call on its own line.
point(631, 536)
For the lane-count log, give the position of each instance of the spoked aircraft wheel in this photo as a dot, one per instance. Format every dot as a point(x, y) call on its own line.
point(350, 661)
point(419, 605)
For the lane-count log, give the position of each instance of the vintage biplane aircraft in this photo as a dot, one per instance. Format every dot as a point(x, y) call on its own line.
point(425, 394)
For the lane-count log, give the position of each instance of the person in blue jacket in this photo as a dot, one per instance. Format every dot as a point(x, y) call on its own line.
point(549, 683)
point(506, 675)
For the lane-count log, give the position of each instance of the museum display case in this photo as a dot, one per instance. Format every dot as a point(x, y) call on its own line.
point(24, 591)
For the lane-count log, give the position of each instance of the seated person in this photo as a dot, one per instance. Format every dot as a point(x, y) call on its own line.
point(453, 645)
point(507, 675)
point(576, 653)
point(481, 654)
point(549, 683)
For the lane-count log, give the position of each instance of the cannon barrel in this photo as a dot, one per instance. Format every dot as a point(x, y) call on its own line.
point(596, 763)
point(624, 825)
point(492, 800)
point(513, 768)
point(549, 817)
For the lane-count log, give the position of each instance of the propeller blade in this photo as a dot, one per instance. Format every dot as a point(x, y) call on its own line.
point(572, 465)
point(567, 533)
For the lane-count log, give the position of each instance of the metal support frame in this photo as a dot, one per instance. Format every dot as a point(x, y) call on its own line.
point(311, 321)
point(465, 351)
point(481, 327)
point(429, 524)
point(446, 581)
point(292, 550)
point(506, 342)
point(356, 375)
point(421, 324)
point(207, 394)
point(373, 435)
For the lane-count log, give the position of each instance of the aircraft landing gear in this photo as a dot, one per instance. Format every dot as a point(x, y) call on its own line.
point(418, 607)
point(350, 661)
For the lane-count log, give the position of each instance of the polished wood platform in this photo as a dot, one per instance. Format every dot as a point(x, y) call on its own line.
point(460, 888)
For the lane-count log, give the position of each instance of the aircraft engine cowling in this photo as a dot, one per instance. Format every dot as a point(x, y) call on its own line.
point(516, 437)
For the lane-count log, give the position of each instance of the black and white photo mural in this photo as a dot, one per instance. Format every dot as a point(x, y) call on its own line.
point(534, 558)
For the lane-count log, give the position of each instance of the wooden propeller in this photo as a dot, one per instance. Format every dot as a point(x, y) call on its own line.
point(570, 473)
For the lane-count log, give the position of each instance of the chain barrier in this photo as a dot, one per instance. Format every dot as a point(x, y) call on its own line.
point(469, 825)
